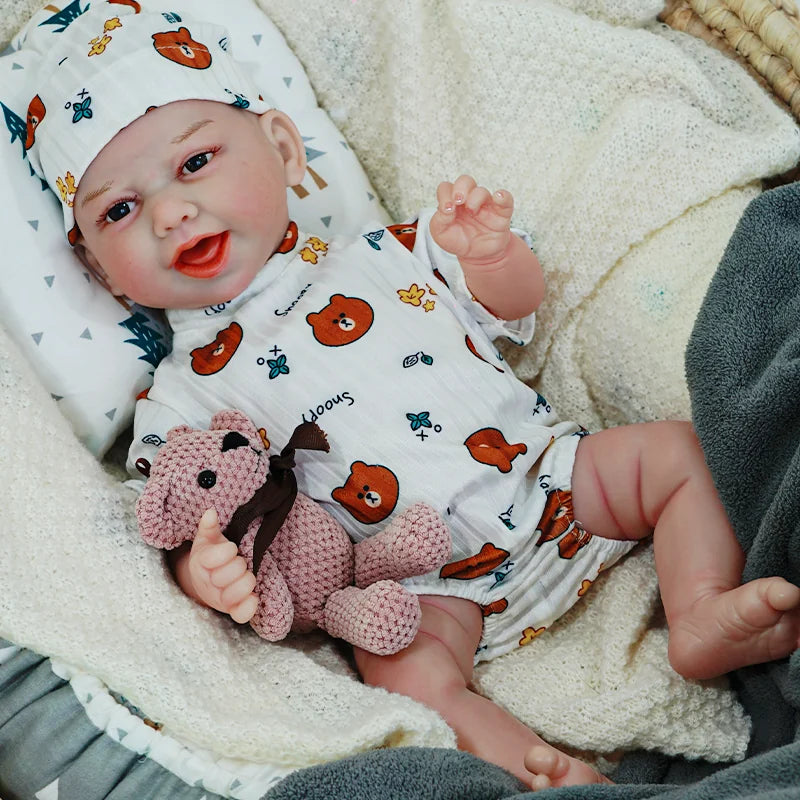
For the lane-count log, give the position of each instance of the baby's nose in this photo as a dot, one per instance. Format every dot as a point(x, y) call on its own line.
point(170, 212)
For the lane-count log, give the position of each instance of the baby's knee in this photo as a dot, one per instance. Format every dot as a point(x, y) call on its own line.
point(676, 439)
point(420, 675)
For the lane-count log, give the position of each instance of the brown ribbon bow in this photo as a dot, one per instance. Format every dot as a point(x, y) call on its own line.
point(274, 499)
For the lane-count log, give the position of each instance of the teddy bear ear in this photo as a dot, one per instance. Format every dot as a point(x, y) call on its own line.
point(178, 430)
point(234, 420)
point(155, 521)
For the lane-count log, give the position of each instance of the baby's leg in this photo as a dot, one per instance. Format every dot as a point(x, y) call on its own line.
point(436, 670)
point(630, 480)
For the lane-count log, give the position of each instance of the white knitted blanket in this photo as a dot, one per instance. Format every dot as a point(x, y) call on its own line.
point(631, 151)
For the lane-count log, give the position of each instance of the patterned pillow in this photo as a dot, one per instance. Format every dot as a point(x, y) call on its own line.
point(93, 353)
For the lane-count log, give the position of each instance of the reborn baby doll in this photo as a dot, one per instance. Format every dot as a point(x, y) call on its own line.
point(305, 573)
point(174, 194)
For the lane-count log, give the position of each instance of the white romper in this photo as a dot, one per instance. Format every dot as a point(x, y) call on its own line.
point(390, 355)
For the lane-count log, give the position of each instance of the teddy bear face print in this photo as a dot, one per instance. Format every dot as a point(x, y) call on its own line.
point(370, 492)
point(343, 321)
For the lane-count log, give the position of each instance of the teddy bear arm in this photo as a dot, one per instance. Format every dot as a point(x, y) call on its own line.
point(413, 543)
point(275, 611)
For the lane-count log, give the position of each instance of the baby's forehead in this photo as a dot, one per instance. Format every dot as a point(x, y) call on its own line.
point(165, 128)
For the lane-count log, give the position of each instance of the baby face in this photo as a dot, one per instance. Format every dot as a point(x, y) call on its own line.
point(182, 208)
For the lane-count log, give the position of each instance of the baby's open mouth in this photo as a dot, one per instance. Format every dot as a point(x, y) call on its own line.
point(204, 257)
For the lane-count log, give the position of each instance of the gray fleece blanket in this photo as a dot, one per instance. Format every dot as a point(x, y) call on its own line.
point(439, 774)
point(743, 371)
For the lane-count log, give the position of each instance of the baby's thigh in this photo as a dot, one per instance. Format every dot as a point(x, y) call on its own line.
point(623, 476)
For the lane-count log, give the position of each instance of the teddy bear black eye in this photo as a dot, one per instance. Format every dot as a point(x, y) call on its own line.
point(207, 478)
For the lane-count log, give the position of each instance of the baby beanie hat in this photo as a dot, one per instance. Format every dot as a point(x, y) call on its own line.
point(113, 63)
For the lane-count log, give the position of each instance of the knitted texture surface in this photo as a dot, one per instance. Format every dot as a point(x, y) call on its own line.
point(13, 15)
point(194, 472)
point(631, 153)
point(409, 545)
point(603, 676)
point(311, 556)
point(107, 605)
point(383, 617)
point(607, 135)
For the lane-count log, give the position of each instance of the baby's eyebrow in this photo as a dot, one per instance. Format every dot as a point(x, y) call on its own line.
point(192, 129)
point(181, 137)
point(93, 195)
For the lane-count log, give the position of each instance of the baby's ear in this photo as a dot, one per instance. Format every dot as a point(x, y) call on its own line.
point(87, 258)
point(283, 134)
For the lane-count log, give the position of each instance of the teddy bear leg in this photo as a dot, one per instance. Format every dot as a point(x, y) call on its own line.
point(383, 618)
point(415, 542)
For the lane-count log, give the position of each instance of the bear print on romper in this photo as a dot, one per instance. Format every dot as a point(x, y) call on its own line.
point(369, 493)
point(342, 321)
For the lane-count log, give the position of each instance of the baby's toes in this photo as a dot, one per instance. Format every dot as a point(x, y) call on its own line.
point(546, 762)
point(761, 604)
point(539, 782)
point(551, 767)
point(782, 595)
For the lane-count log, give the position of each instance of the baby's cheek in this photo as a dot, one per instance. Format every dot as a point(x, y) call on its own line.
point(258, 201)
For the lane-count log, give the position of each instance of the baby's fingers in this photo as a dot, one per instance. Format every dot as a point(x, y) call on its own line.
point(478, 197)
point(244, 611)
point(449, 195)
point(238, 591)
point(208, 529)
point(228, 572)
point(503, 202)
point(209, 545)
point(444, 197)
point(213, 556)
point(463, 185)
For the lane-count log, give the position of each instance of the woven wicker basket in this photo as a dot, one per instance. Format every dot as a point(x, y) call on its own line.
point(763, 35)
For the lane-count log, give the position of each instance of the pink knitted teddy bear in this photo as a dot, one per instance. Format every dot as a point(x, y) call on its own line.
point(310, 575)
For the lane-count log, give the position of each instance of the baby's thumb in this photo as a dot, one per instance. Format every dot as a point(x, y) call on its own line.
point(208, 529)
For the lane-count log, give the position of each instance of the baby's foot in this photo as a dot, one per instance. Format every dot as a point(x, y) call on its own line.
point(552, 768)
point(751, 624)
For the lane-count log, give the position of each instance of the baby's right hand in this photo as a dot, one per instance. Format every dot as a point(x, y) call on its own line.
point(219, 575)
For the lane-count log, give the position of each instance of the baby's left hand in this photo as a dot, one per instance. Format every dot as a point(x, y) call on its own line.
point(470, 222)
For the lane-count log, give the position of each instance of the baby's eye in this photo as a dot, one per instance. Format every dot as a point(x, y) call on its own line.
point(118, 211)
point(197, 162)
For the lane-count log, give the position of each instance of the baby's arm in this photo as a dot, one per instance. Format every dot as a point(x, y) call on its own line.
point(501, 271)
point(211, 571)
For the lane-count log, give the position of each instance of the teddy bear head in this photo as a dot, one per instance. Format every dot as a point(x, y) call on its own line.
point(195, 470)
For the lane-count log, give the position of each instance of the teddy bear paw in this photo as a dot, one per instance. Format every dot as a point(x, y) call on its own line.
point(421, 541)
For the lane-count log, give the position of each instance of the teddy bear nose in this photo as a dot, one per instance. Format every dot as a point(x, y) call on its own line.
point(232, 440)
